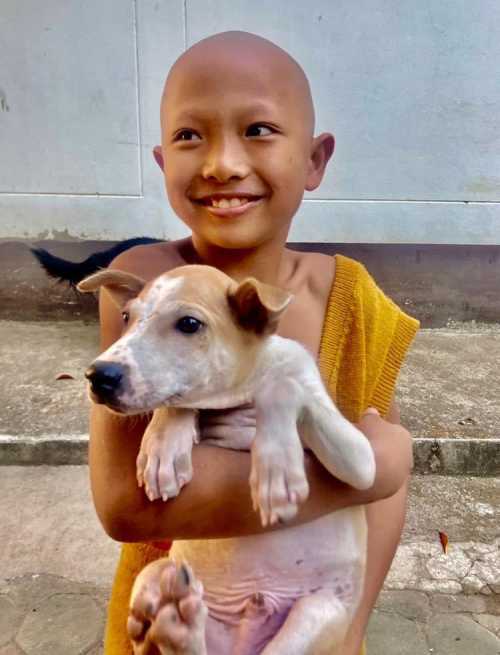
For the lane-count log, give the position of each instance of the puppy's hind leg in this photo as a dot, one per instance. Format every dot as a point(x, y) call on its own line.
point(167, 611)
point(316, 625)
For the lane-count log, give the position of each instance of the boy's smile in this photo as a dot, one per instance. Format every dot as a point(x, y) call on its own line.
point(237, 140)
point(229, 204)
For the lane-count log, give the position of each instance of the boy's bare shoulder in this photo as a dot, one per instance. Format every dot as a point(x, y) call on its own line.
point(147, 262)
point(316, 271)
point(310, 280)
point(150, 260)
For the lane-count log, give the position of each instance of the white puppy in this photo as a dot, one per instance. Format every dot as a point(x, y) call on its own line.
point(195, 339)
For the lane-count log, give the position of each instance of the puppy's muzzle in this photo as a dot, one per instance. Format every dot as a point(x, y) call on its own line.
point(105, 379)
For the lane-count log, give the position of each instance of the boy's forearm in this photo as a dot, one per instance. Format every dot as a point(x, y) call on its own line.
point(216, 503)
point(212, 507)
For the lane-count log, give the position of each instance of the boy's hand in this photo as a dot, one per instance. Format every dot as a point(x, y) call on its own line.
point(371, 410)
point(393, 447)
point(371, 420)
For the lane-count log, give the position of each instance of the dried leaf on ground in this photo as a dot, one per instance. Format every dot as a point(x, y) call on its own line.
point(443, 538)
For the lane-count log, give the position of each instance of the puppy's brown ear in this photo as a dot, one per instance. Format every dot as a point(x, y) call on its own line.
point(121, 286)
point(258, 306)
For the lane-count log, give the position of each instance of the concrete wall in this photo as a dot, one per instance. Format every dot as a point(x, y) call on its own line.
point(409, 87)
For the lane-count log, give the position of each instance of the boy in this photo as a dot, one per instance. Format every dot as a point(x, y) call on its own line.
point(238, 151)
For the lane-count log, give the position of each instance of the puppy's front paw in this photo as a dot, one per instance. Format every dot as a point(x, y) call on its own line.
point(278, 481)
point(164, 461)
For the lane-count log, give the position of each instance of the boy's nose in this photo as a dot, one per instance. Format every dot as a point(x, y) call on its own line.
point(225, 160)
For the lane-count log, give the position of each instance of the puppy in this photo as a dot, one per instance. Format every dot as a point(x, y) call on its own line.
point(195, 339)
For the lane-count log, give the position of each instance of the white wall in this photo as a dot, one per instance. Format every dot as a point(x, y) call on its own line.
point(411, 89)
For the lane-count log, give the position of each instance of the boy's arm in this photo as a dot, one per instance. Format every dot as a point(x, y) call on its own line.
point(393, 415)
point(217, 503)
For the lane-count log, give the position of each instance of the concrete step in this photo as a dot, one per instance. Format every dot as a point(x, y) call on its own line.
point(448, 391)
point(56, 567)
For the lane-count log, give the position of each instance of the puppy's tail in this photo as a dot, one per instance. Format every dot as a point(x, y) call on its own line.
point(64, 270)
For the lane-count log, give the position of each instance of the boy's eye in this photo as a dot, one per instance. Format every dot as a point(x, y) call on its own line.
point(258, 129)
point(186, 135)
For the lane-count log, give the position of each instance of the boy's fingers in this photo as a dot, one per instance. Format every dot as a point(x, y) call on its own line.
point(371, 410)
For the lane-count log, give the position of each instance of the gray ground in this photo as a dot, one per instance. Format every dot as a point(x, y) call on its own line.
point(448, 387)
point(56, 568)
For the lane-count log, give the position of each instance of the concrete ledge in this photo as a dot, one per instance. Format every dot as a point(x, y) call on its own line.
point(478, 457)
point(39, 450)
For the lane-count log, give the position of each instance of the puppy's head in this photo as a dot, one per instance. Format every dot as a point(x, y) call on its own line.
point(187, 335)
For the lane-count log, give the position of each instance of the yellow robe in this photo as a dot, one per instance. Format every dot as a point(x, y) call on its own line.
point(365, 338)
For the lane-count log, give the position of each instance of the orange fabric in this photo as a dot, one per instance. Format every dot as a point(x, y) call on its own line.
point(365, 337)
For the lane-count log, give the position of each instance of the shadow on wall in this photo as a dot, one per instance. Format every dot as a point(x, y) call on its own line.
point(434, 283)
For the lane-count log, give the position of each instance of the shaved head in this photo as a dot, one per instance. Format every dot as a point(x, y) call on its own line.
point(237, 118)
point(233, 53)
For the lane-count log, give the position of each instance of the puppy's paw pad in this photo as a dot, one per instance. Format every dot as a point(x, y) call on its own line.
point(137, 628)
point(180, 622)
point(178, 582)
point(145, 601)
point(169, 633)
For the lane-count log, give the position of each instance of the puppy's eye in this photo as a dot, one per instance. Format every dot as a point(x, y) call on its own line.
point(188, 325)
point(125, 317)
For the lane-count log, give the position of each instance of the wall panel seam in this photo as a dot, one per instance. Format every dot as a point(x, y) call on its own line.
point(404, 201)
point(35, 194)
point(184, 20)
point(138, 96)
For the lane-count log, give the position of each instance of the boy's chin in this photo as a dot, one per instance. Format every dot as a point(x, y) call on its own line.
point(231, 240)
point(234, 236)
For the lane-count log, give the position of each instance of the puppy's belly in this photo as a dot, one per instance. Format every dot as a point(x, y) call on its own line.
point(278, 567)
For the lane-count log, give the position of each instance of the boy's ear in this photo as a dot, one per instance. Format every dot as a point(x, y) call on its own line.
point(121, 286)
point(158, 155)
point(322, 149)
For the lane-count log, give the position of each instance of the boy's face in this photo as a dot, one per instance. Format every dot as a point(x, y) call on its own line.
point(237, 144)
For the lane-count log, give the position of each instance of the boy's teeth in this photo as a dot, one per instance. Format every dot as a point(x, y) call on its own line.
point(224, 203)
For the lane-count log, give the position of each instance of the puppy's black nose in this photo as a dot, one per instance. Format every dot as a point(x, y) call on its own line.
point(104, 378)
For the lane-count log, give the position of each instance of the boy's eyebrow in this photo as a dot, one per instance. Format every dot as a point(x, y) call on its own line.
point(258, 107)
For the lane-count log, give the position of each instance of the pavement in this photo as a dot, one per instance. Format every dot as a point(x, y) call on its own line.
point(56, 562)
